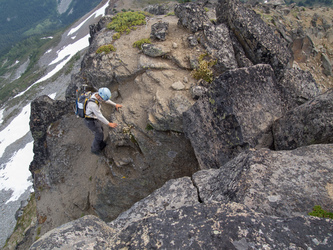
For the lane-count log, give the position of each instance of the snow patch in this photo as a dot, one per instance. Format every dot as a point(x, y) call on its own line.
point(52, 96)
point(18, 128)
point(98, 12)
point(1, 115)
point(15, 174)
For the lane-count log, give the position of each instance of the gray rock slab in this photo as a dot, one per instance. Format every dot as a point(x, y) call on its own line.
point(310, 123)
point(277, 183)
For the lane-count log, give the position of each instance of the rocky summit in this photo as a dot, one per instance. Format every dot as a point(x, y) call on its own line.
point(224, 140)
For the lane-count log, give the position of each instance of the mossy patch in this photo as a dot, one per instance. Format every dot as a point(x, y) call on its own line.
point(319, 212)
point(106, 49)
point(139, 43)
point(126, 21)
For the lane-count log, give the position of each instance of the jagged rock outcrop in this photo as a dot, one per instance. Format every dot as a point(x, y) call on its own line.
point(237, 113)
point(215, 38)
point(44, 111)
point(260, 43)
point(265, 209)
point(310, 123)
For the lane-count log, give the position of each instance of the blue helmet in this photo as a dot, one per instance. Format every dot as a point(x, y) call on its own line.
point(105, 93)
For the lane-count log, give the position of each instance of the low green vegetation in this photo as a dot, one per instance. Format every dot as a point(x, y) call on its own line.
point(319, 212)
point(126, 21)
point(105, 48)
point(139, 43)
point(204, 70)
point(116, 36)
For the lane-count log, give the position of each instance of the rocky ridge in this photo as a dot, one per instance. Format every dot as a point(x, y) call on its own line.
point(171, 126)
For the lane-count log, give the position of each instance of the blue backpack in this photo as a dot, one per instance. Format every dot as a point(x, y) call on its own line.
point(81, 103)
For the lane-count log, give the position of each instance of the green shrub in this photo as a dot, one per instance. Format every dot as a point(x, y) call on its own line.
point(139, 43)
point(125, 21)
point(105, 48)
point(116, 36)
point(319, 212)
point(204, 70)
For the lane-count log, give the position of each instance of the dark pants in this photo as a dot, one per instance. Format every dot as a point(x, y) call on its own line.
point(96, 127)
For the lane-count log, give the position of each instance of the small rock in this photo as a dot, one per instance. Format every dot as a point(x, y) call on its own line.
point(174, 45)
point(198, 91)
point(178, 86)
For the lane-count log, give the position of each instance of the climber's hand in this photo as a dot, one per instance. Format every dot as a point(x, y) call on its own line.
point(112, 125)
point(118, 106)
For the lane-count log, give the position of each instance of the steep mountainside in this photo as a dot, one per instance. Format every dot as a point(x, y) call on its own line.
point(228, 161)
point(21, 19)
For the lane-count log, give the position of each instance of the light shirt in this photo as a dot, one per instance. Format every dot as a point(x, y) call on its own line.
point(93, 110)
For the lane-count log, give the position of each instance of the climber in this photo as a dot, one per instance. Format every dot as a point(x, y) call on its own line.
point(93, 114)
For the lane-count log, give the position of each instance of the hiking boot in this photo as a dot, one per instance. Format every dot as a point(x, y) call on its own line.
point(96, 152)
point(102, 145)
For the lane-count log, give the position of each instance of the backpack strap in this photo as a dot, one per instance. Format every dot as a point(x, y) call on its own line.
point(86, 102)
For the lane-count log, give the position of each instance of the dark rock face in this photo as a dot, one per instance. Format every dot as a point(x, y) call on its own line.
point(192, 16)
point(217, 41)
point(95, 28)
point(310, 123)
point(44, 111)
point(237, 112)
point(158, 9)
point(260, 43)
point(298, 87)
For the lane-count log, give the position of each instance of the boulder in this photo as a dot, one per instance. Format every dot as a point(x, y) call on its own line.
point(174, 194)
point(153, 50)
point(298, 87)
point(88, 232)
point(217, 41)
point(192, 16)
point(236, 113)
point(275, 183)
point(302, 48)
point(223, 226)
point(260, 43)
point(159, 31)
point(310, 123)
